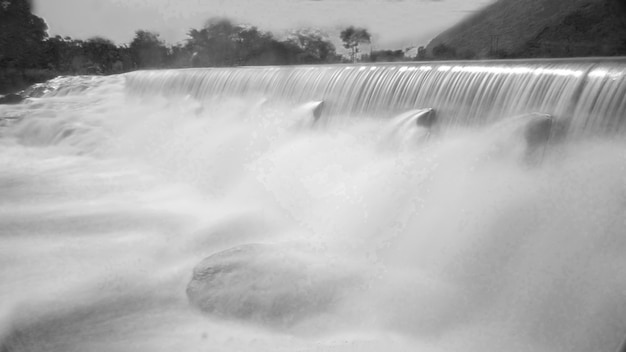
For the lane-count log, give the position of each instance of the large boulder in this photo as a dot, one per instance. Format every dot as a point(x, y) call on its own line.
point(269, 284)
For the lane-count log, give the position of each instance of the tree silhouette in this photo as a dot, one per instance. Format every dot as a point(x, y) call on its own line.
point(58, 52)
point(386, 56)
point(21, 34)
point(214, 44)
point(222, 43)
point(313, 45)
point(444, 52)
point(147, 50)
point(101, 54)
point(352, 37)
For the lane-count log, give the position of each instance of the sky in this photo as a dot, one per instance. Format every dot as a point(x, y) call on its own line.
point(394, 24)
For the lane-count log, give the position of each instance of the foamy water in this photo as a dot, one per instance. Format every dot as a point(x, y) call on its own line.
point(385, 238)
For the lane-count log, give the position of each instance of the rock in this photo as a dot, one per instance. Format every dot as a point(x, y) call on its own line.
point(308, 114)
point(11, 99)
point(411, 127)
point(269, 284)
point(537, 131)
point(317, 111)
point(541, 132)
point(427, 118)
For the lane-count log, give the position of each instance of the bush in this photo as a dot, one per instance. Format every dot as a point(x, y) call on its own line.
point(13, 80)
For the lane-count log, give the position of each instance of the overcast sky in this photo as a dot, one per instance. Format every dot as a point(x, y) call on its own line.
point(393, 23)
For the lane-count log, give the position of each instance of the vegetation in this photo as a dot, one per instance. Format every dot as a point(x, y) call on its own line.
point(19, 25)
point(597, 29)
point(313, 45)
point(147, 50)
point(223, 43)
point(28, 55)
point(385, 56)
point(444, 52)
point(558, 29)
point(352, 37)
point(536, 28)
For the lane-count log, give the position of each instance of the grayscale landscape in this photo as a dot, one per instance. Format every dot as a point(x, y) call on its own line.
point(312, 175)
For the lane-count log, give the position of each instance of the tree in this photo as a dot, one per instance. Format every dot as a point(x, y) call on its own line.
point(101, 53)
point(58, 52)
point(387, 56)
point(352, 37)
point(313, 46)
point(222, 43)
point(250, 44)
point(444, 52)
point(178, 56)
point(214, 44)
point(421, 53)
point(21, 34)
point(147, 50)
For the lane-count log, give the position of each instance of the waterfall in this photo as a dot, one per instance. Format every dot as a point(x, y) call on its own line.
point(424, 206)
point(588, 93)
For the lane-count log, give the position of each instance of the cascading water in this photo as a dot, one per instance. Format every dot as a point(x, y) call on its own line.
point(318, 208)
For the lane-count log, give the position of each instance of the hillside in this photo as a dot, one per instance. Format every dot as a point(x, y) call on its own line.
point(540, 28)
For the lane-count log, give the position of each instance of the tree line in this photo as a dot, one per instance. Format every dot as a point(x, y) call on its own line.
point(28, 54)
point(24, 45)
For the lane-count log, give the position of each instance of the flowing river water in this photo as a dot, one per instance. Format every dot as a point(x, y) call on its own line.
point(341, 226)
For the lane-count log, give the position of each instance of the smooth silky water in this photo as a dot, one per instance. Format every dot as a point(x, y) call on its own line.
point(375, 233)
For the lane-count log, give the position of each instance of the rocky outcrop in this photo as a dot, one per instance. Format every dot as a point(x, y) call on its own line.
point(269, 284)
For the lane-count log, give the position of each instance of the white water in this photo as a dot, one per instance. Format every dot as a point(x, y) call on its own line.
point(445, 244)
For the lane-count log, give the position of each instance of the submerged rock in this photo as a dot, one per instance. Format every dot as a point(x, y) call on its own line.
point(537, 132)
point(273, 285)
point(540, 132)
